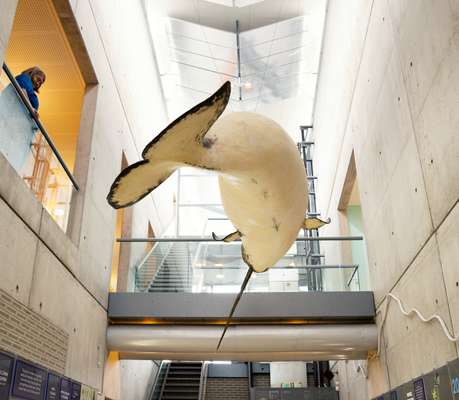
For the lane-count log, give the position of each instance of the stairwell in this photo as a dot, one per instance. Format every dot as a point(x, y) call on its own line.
point(175, 273)
point(182, 381)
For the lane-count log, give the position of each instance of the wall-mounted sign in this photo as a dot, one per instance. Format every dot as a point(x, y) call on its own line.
point(405, 392)
point(76, 391)
point(54, 387)
point(66, 389)
point(419, 392)
point(453, 368)
point(29, 381)
point(87, 393)
point(437, 385)
point(6, 371)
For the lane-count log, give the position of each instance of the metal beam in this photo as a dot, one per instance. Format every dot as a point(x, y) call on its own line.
point(139, 308)
point(245, 343)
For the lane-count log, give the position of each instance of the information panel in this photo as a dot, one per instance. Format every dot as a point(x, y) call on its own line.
point(405, 392)
point(87, 393)
point(76, 391)
point(453, 368)
point(437, 385)
point(29, 381)
point(54, 387)
point(419, 392)
point(6, 371)
point(66, 389)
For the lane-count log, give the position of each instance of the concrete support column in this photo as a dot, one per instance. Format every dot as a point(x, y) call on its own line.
point(288, 373)
point(6, 24)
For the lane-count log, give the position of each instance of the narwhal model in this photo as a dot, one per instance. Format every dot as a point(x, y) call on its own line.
point(262, 179)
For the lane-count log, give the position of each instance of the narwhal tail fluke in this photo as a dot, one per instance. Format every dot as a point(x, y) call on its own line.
point(236, 302)
point(181, 143)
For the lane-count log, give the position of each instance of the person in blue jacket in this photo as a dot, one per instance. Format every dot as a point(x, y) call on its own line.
point(19, 129)
point(30, 81)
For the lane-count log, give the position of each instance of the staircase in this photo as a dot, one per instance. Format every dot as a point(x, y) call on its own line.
point(166, 268)
point(175, 274)
point(182, 381)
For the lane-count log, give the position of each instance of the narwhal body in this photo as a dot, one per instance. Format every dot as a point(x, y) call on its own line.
point(262, 183)
point(262, 179)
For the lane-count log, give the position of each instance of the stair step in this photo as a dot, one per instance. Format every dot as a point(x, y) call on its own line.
point(187, 373)
point(181, 384)
point(183, 378)
point(177, 389)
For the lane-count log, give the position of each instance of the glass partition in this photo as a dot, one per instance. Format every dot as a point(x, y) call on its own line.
point(205, 266)
point(24, 144)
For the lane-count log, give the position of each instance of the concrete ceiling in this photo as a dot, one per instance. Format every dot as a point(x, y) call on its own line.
point(275, 56)
point(221, 14)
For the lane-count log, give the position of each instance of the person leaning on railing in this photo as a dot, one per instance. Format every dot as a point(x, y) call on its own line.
point(16, 141)
point(30, 81)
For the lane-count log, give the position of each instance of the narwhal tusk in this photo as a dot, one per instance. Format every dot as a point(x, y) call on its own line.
point(243, 286)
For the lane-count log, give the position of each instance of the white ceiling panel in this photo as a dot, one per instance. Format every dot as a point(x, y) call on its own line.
point(279, 50)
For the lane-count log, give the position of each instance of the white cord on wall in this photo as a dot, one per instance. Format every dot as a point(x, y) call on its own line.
point(390, 296)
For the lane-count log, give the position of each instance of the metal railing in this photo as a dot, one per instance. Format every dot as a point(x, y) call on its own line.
point(155, 393)
point(202, 265)
point(203, 381)
point(210, 239)
point(29, 149)
point(40, 126)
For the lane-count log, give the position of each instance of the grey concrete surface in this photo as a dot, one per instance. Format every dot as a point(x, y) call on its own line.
point(392, 99)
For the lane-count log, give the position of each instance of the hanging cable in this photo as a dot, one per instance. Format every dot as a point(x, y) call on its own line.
point(390, 296)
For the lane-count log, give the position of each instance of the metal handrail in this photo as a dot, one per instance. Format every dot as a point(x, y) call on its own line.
point(40, 125)
point(153, 379)
point(352, 276)
point(141, 263)
point(209, 239)
point(321, 266)
point(164, 381)
point(203, 381)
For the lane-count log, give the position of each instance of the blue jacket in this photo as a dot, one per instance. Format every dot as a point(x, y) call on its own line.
point(25, 82)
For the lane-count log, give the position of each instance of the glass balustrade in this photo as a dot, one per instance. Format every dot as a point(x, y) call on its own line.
point(217, 267)
point(24, 144)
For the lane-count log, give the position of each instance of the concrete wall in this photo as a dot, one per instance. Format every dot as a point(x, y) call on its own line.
point(65, 277)
point(389, 91)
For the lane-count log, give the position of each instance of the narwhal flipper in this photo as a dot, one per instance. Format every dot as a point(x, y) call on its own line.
point(181, 143)
point(228, 238)
point(314, 223)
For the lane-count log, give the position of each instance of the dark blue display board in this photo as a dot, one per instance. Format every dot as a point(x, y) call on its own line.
point(437, 385)
point(405, 391)
point(453, 369)
point(418, 387)
point(29, 381)
point(54, 387)
point(76, 391)
point(66, 389)
point(6, 372)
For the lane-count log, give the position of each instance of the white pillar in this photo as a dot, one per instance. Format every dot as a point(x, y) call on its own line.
point(288, 374)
